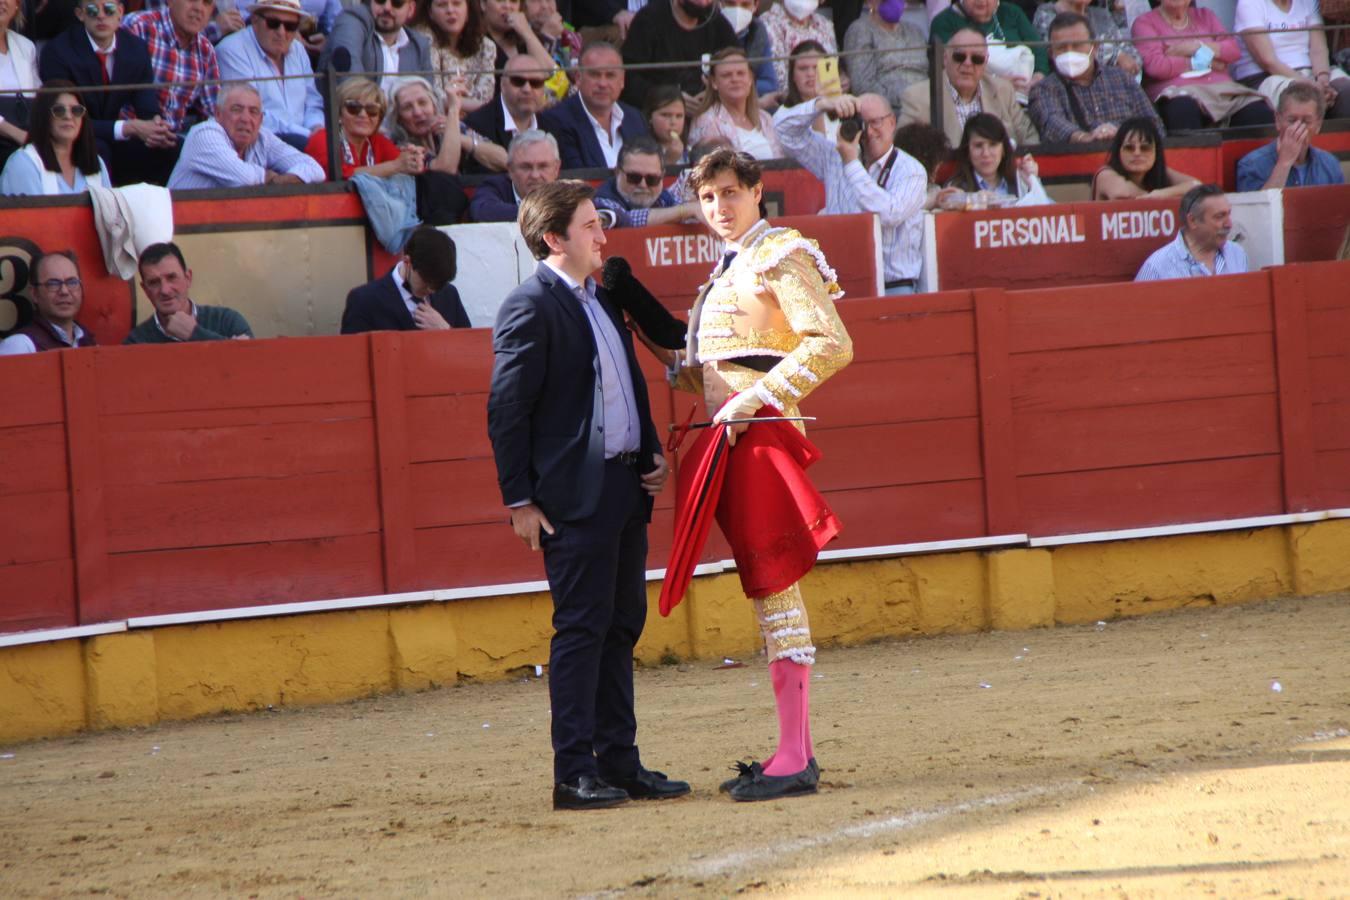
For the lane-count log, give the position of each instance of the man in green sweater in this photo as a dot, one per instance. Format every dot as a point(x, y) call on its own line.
point(167, 281)
point(1008, 31)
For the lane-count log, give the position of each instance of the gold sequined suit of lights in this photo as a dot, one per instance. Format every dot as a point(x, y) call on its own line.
point(776, 299)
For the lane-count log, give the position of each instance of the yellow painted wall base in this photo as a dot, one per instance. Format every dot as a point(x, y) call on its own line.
point(179, 672)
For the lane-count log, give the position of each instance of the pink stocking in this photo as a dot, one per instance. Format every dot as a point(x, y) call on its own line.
point(792, 694)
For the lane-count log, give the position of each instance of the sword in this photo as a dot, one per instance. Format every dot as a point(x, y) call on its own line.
point(747, 421)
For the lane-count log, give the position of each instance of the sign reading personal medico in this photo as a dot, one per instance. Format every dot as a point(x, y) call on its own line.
point(1076, 243)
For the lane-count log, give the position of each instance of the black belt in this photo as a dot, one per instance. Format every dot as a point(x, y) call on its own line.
point(628, 458)
point(902, 282)
point(763, 363)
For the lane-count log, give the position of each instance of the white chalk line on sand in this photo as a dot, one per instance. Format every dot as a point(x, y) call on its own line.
point(740, 859)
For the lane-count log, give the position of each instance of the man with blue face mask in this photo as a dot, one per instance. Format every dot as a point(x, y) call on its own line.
point(1082, 102)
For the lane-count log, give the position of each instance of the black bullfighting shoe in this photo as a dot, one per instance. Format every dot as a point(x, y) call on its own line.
point(587, 792)
point(747, 771)
point(649, 785)
point(773, 787)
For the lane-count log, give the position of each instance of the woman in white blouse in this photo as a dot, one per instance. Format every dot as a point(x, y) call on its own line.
point(18, 72)
point(1281, 45)
point(60, 156)
point(730, 109)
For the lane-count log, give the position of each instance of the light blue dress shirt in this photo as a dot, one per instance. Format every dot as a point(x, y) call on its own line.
point(1174, 260)
point(293, 106)
point(209, 160)
point(22, 177)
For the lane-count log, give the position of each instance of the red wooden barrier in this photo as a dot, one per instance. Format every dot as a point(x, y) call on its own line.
point(147, 480)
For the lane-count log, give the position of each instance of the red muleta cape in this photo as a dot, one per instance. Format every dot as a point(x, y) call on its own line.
point(773, 517)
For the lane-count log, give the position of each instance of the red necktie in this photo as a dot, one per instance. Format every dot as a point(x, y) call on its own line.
point(104, 63)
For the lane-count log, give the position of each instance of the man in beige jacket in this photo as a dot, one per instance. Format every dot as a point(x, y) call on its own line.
point(969, 90)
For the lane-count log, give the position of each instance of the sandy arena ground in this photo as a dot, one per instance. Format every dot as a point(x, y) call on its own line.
point(1198, 753)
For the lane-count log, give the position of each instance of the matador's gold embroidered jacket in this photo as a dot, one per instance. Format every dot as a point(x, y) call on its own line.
point(776, 299)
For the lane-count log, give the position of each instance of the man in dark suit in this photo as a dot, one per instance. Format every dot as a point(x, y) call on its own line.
point(136, 142)
point(531, 161)
point(593, 123)
point(578, 461)
point(513, 109)
point(415, 295)
point(365, 30)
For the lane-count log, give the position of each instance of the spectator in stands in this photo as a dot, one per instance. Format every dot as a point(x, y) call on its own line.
point(930, 148)
point(1201, 246)
point(1115, 49)
point(136, 141)
point(664, 112)
point(635, 192)
point(1292, 160)
point(532, 160)
point(1187, 76)
point(320, 16)
point(415, 295)
point(183, 60)
point(1082, 101)
point(592, 124)
point(373, 37)
point(730, 108)
point(753, 38)
point(58, 295)
point(60, 156)
point(235, 150)
point(515, 110)
point(292, 109)
point(512, 35)
point(361, 109)
point(1008, 30)
point(167, 282)
point(803, 69)
point(970, 90)
point(865, 173)
point(1295, 49)
point(890, 54)
point(461, 52)
point(613, 17)
point(985, 162)
point(788, 23)
point(1136, 166)
point(20, 75)
point(559, 39)
point(222, 20)
point(450, 144)
point(673, 31)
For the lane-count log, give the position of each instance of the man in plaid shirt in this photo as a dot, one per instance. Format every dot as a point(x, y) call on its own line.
point(1083, 101)
point(183, 58)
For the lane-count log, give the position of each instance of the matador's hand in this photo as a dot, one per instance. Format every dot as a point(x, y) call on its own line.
point(742, 406)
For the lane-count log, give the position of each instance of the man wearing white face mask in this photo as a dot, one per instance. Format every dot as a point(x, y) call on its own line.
point(754, 40)
point(1082, 101)
point(789, 23)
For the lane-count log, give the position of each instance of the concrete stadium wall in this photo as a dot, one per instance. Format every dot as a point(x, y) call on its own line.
point(141, 677)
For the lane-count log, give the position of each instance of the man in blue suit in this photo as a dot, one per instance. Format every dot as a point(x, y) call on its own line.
point(531, 161)
point(578, 462)
point(415, 295)
point(593, 123)
point(137, 144)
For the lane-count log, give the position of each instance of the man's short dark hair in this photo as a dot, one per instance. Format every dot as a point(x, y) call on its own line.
point(156, 252)
point(549, 210)
point(35, 267)
point(725, 159)
point(927, 144)
point(432, 254)
point(1196, 196)
point(641, 145)
point(1301, 92)
point(1068, 20)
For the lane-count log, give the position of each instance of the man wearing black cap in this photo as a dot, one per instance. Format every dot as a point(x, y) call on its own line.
point(415, 295)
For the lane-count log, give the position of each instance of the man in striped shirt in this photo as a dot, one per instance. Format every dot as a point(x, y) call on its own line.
point(183, 58)
point(1202, 246)
point(867, 174)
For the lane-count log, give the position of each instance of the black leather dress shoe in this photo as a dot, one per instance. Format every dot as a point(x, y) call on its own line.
point(649, 785)
point(747, 771)
point(587, 792)
point(774, 787)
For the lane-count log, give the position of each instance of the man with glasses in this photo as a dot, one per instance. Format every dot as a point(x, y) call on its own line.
point(1291, 160)
point(132, 136)
point(182, 58)
point(968, 89)
point(592, 124)
point(57, 296)
point(634, 194)
point(520, 97)
point(235, 150)
point(266, 50)
point(864, 173)
point(372, 38)
point(531, 162)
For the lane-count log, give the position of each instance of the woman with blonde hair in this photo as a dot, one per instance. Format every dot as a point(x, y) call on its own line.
point(361, 110)
point(730, 108)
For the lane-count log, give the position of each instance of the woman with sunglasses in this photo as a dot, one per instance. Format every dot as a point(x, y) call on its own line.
point(1136, 166)
point(461, 52)
point(364, 150)
point(18, 72)
point(60, 155)
point(985, 163)
point(730, 108)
